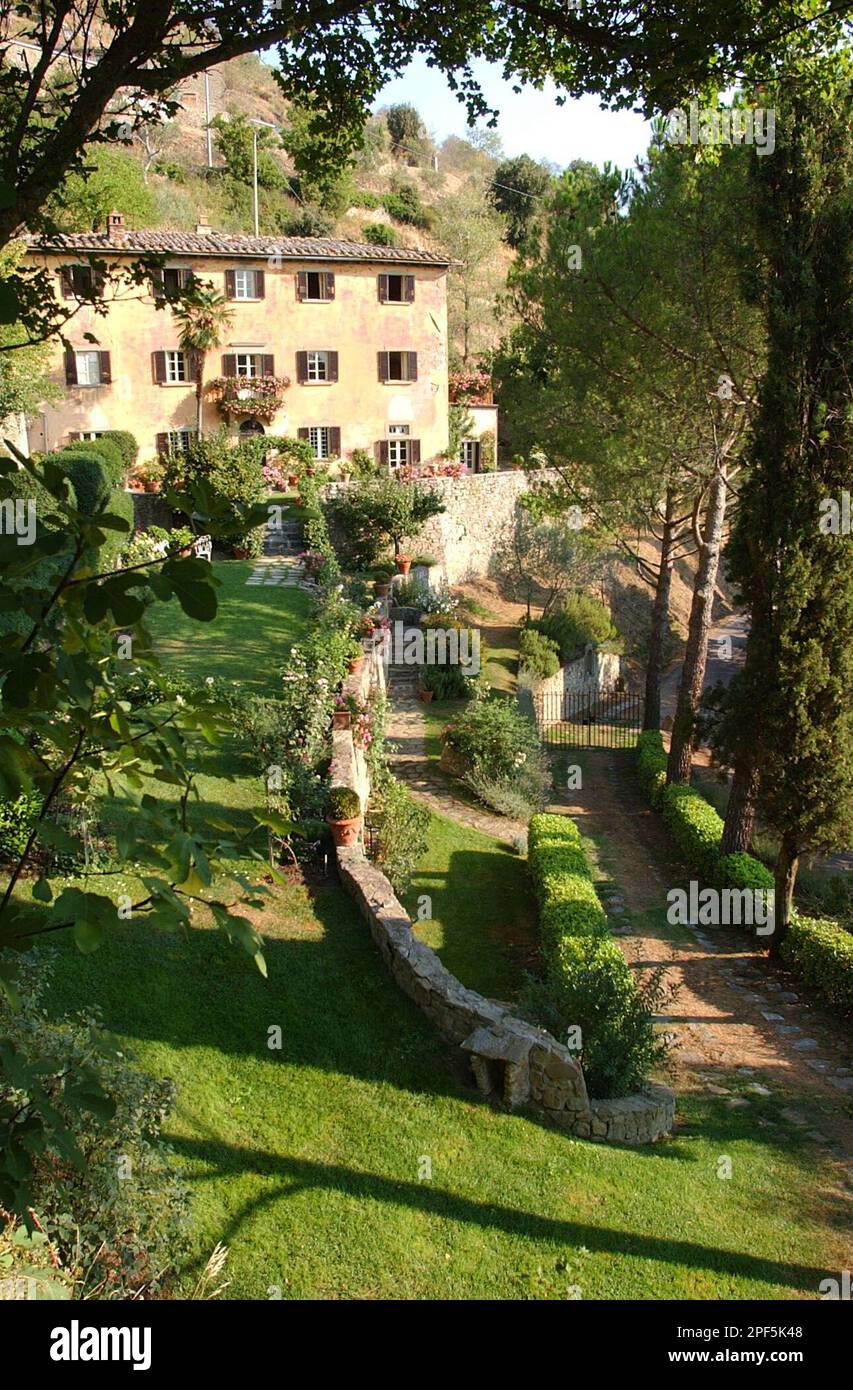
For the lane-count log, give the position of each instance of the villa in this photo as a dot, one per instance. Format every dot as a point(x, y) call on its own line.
point(340, 343)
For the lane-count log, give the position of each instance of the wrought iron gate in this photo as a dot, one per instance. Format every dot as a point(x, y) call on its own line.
point(588, 720)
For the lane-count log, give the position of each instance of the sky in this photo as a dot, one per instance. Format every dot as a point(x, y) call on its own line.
point(530, 123)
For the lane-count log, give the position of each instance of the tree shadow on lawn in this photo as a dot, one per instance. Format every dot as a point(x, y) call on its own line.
point(298, 1175)
point(326, 989)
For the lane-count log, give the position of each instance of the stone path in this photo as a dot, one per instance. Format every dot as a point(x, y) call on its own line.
point(735, 1014)
point(279, 563)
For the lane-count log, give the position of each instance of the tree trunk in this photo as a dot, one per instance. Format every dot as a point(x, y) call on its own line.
point(660, 620)
point(740, 812)
point(199, 392)
point(693, 671)
point(787, 865)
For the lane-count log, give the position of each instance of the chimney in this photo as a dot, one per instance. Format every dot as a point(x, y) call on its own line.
point(115, 226)
point(203, 228)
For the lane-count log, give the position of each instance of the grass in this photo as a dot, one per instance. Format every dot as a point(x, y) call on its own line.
point(249, 639)
point(351, 1163)
point(481, 923)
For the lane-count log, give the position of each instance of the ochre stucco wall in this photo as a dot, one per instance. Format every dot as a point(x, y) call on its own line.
point(354, 323)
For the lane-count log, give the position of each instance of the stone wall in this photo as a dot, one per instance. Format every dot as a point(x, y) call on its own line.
point(595, 671)
point(151, 509)
point(511, 1060)
point(478, 520)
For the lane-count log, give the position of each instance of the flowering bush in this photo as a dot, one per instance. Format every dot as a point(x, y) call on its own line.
point(238, 395)
point(275, 476)
point(474, 387)
point(500, 748)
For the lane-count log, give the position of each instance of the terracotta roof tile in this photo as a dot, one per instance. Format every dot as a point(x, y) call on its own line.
point(223, 244)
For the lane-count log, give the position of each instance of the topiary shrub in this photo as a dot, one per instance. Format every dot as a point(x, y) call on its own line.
point(822, 954)
point(695, 827)
point(344, 804)
point(127, 446)
point(650, 764)
point(743, 871)
point(109, 451)
point(89, 474)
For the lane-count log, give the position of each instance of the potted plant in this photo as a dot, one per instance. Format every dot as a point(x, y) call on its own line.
point(342, 713)
point(355, 656)
point(151, 475)
point(404, 563)
point(382, 582)
point(344, 815)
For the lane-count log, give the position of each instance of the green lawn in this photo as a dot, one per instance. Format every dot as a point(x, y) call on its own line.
point(482, 924)
point(250, 637)
point(311, 1162)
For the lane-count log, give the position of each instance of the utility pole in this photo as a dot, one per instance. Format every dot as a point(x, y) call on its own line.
point(207, 119)
point(269, 125)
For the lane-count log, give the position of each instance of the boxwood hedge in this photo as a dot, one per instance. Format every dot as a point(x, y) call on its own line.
point(821, 952)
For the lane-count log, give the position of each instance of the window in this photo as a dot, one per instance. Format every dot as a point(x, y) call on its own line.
point(171, 282)
point(91, 434)
point(176, 367)
point(80, 280)
point(396, 289)
point(88, 368)
point(318, 438)
point(248, 364)
point(179, 441)
point(244, 284)
point(398, 366)
point(316, 285)
point(470, 454)
point(398, 445)
point(318, 366)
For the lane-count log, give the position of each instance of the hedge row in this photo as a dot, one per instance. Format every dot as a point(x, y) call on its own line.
point(694, 825)
point(821, 952)
point(588, 984)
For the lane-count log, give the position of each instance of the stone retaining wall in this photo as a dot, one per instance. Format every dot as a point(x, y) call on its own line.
point(511, 1060)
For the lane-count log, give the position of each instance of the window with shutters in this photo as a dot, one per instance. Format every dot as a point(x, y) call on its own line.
point(318, 366)
point(318, 285)
point(88, 367)
point(179, 441)
point(246, 284)
point(401, 366)
point(176, 367)
point(398, 445)
point(80, 279)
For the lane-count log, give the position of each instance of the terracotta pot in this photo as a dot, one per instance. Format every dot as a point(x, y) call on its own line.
point(293, 480)
point(151, 485)
point(426, 696)
point(240, 552)
point(404, 563)
point(341, 719)
point(186, 552)
point(355, 665)
point(345, 832)
point(381, 590)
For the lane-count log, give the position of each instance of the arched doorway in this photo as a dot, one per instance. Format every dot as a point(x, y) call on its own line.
point(251, 426)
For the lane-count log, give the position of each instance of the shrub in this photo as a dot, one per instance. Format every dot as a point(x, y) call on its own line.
point(404, 204)
point(109, 451)
point(343, 804)
point(446, 682)
point(22, 485)
point(518, 800)
point(538, 655)
point(743, 871)
point(577, 621)
point(695, 828)
point(651, 765)
point(17, 819)
point(362, 464)
point(494, 738)
point(588, 983)
point(380, 234)
point(233, 471)
point(402, 825)
point(89, 475)
point(127, 445)
point(822, 954)
point(119, 503)
point(120, 1238)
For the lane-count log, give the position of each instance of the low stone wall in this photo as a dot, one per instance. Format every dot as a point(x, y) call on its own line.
point(511, 1060)
point(595, 671)
point(151, 509)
